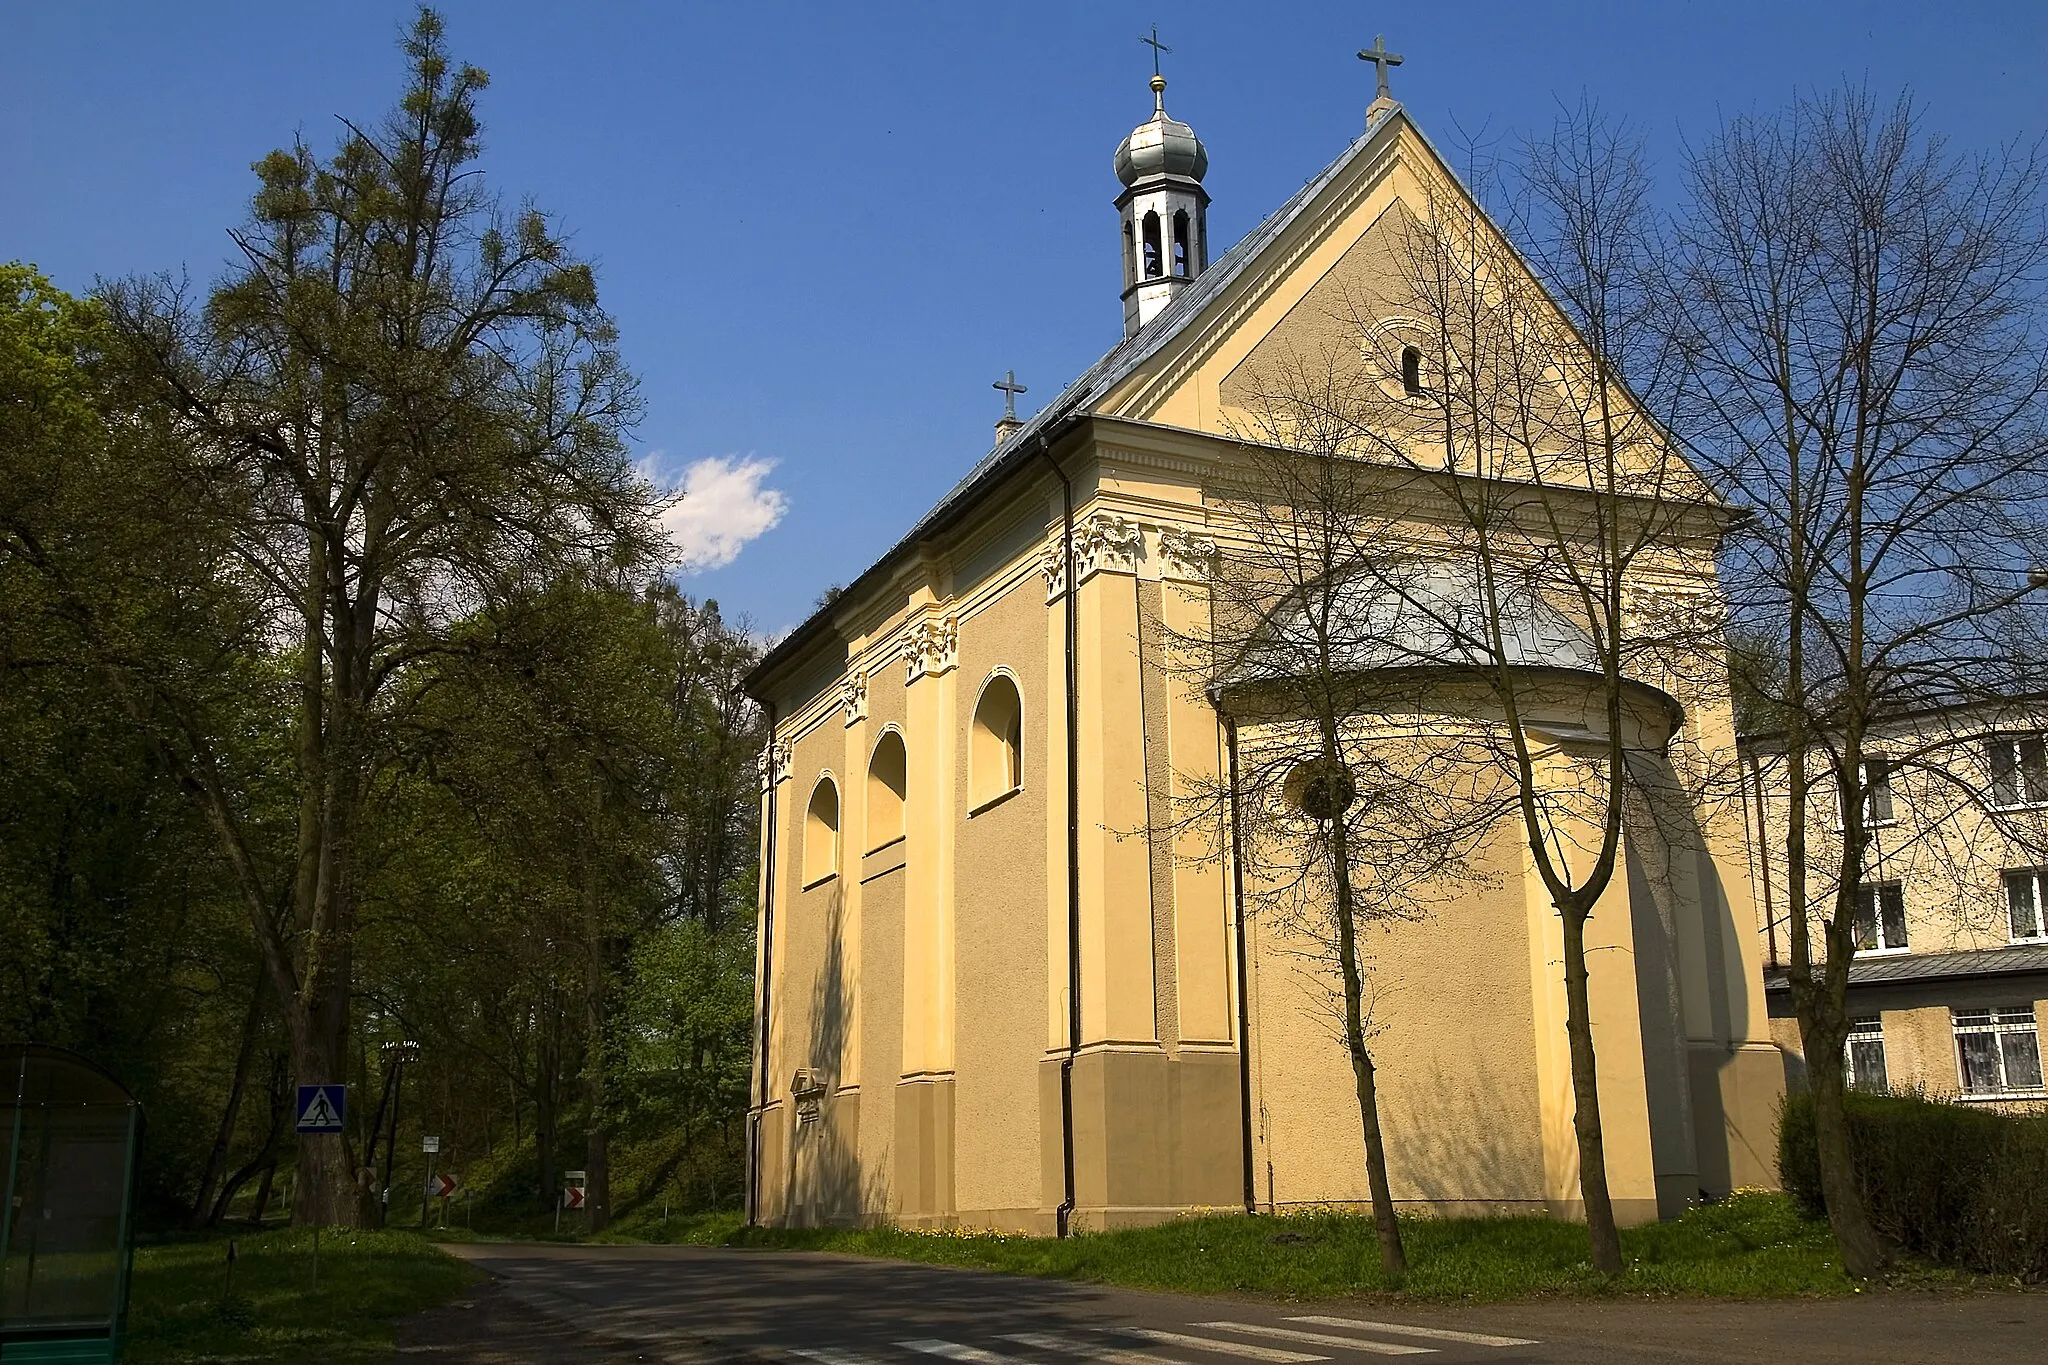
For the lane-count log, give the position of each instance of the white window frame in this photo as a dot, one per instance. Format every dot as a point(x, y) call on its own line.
point(1867, 1030)
point(2001, 1022)
point(2035, 880)
point(1875, 890)
point(2014, 748)
point(1874, 785)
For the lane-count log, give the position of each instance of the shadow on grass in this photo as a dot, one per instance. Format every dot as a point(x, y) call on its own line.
point(1751, 1246)
point(183, 1308)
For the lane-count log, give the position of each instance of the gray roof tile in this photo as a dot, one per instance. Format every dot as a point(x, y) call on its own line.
point(1865, 971)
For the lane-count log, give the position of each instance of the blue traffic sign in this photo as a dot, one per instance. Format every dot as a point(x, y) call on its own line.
point(321, 1108)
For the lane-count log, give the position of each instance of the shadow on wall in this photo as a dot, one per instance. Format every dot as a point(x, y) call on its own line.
point(1456, 1140)
point(823, 1170)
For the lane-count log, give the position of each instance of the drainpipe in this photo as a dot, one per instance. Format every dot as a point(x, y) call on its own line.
point(1064, 1216)
point(1244, 1016)
point(767, 977)
point(1762, 848)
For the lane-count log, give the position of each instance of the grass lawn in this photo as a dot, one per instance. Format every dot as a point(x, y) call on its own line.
point(1751, 1246)
point(180, 1310)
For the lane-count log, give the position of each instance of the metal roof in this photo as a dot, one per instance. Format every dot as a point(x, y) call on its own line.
point(1420, 614)
point(1101, 378)
point(1871, 971)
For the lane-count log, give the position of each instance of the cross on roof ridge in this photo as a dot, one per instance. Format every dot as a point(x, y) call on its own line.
point(1011, 388)
point(1381, 59)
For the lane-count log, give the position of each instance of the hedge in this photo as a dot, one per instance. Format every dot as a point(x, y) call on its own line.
point(1958, 1184)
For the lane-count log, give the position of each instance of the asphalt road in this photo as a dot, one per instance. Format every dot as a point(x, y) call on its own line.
point(690, 1304)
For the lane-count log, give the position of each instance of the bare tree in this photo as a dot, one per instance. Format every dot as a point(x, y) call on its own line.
point(1343, 803)
point(1862, 315)
point(1575, 535)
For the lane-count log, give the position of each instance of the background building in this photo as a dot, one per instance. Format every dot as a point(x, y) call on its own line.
point(1949, 988)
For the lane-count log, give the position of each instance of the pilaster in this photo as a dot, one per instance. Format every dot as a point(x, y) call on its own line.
point(1116, 900)
point(923, 1177)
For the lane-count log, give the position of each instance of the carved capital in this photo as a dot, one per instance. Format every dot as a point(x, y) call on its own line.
point(932, 648)
point(1053, 564)
point(853, 697)
point(1186, 554)
point(773, 764)
point(1108, 543)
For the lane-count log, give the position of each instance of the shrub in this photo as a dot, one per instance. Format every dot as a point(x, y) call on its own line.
point(1958, 1184)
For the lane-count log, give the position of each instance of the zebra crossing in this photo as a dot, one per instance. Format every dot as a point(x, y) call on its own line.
point(1305, 1340)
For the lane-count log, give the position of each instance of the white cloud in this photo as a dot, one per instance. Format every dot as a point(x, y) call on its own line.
point(723, 506)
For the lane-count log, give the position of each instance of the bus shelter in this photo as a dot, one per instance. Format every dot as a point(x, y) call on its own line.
point(69, 1133)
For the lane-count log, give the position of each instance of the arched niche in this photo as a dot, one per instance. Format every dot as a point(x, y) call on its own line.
point(888, 787)
point(995, 753)
point(821, 832)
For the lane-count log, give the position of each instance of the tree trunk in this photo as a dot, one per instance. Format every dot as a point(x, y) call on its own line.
point(263, 1193)
point(548, 1065)
point(597, 1194)
point(1393, 1256)
point(1600, 1229)
point(265, 1159)
point(217, 1159)
point(329, 1193)
point(1864, 1253)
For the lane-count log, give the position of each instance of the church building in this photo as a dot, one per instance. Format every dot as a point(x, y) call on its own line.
point(988, 999)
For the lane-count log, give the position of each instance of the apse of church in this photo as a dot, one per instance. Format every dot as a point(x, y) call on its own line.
point(987, 999)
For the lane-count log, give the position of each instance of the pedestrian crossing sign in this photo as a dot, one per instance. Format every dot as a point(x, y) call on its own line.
point(321, 1108)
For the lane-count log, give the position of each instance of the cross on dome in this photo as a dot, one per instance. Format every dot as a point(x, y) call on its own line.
point(1156, 46)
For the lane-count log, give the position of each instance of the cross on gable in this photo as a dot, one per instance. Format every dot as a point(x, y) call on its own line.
point(1011, 388)
point(1381, 59)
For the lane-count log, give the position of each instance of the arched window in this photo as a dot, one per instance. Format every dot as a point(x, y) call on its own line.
point(1130, 254)
point(888, 781)
point(1411, 370)
point(995, 754)
point(1153, 264)
point(1183, 264)
point(821, 832)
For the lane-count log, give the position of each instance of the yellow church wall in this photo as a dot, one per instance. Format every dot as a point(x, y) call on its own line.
point(879, 1000)
point(1468, 1001)
point(1203, 944)
point(1117, 1003)
point(1452, 1033)
point(1001, 970)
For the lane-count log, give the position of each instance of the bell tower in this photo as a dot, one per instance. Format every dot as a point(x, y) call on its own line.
point(1163, 208)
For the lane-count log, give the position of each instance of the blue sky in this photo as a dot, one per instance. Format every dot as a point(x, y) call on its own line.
point(825, 230)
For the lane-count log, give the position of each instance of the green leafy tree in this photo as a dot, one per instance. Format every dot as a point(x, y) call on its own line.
point(403, 405)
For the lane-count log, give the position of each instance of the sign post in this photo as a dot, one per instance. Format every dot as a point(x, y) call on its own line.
point(443, 1188)
point(432, 1147)
point(321, 1108)
point(572, 1194)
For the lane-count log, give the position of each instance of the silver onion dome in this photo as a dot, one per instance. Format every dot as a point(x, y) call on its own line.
point(1160, 146)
